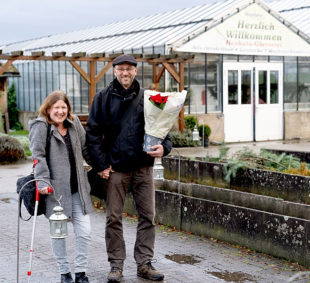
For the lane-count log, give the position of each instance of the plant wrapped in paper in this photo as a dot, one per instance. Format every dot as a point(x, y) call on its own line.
point(161, 111)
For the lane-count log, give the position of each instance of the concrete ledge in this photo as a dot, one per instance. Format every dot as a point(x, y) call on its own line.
point(271, 233)
point(244, 199)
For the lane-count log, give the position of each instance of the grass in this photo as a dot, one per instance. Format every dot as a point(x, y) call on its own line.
point(19, 133)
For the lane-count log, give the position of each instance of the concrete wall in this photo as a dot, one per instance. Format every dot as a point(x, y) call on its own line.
point(297, 124)
point(216, 123)
point(275, 234)
point(25, 116)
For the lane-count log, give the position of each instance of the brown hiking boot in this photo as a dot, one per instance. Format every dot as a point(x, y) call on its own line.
point(148, 271)
point(115, 274)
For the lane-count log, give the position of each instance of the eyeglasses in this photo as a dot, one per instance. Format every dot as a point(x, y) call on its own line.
point(121, 70)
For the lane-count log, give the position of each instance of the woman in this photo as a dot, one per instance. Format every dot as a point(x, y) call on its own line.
point(64, 170)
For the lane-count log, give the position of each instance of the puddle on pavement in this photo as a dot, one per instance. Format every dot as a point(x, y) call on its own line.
point(238, 277)
point(8, 200)
point(184, 259)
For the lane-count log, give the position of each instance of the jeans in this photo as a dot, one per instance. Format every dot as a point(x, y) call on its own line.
point(143, 192)
point(81, 226)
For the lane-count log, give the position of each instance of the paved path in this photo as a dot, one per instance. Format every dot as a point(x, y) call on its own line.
point(181, 256)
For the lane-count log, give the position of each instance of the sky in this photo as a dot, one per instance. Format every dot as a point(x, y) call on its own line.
point(28, 19)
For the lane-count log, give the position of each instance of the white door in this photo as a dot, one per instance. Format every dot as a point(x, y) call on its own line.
point(253, 101)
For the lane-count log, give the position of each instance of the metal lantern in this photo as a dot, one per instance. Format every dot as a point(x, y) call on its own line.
point(158, 171)
point(58, 224)
point(195, 134)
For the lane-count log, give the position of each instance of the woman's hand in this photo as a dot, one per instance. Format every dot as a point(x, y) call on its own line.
point(45, 191)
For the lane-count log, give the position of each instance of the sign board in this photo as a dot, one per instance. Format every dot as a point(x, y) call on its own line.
point(252, 31)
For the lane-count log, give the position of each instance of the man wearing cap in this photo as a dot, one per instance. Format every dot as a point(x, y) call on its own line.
point(114, 133)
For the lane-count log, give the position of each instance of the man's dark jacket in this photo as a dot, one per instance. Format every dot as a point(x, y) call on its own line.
point(110, 144)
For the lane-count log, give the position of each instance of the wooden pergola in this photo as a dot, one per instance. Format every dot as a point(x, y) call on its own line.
point(174, 64)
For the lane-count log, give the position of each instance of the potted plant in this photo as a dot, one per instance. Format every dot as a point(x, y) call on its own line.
point(204, 133)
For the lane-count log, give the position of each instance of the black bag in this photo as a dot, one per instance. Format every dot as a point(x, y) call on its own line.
point(28, 194)
point(97, 188)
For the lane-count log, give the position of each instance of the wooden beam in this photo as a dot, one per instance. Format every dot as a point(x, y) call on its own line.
point(103, 71)
point(92, 58)
point(92, 85)
point(5, 66)
point(170, 68)
point(78, 54)
point(37, 53)
point(80, 70)
point(159, 74)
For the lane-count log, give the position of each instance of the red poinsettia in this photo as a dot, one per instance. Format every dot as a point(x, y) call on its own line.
point(159, 100)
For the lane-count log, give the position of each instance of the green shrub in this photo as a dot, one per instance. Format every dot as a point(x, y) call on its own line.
point(184, 139)
point(190, 122)
point(10, 149)
point(13, 110)
point(24, 141)
point(207, 130)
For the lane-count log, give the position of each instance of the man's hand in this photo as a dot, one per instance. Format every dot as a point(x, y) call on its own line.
point(105, 174)
point(158, 151)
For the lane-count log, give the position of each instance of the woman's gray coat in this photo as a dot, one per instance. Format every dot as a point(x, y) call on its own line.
point(58, 172)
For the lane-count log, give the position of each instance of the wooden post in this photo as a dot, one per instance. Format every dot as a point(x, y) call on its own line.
point(92, 84)
point(155, 76)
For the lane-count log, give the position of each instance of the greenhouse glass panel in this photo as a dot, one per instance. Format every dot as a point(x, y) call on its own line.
point(213, 82)
point(31, 85)
point(78, 88)
point(43, 83)
point(139, 76)
point(37, 84)
point(304, 83)
point(290, 83)
point(63, 78)
point(71, 83)
point(101, 83)
point(147, 75)
point(49, 77)
point(21, 83)
point(85, 89)
point(26, 87)
point(56, 75)
point(197, 84)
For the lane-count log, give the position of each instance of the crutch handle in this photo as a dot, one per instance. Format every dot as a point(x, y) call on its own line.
point(49, 190)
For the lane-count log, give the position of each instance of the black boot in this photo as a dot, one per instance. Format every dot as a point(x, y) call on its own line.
point(81, 277)
point(66, 278)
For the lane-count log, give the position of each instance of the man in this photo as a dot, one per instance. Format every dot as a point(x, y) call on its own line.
point(115, 139)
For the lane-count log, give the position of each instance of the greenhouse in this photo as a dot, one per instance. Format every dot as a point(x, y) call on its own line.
point(249, 79)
